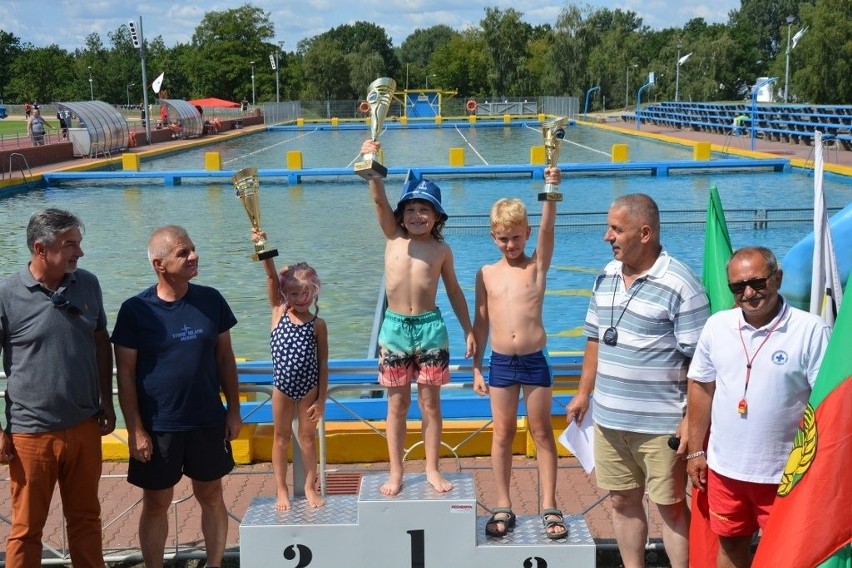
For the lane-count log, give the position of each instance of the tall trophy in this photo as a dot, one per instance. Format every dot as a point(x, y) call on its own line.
point(247, 184)
point(553, 131)
point(379, 97)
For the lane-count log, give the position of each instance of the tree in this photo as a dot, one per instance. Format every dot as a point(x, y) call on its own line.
point(821, 64)
point(461, 64)
point(326, 70)
point(223, 47)
point(417, 50)
point(10, 49)
point(506, 37)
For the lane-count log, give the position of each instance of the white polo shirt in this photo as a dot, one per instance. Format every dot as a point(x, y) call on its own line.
point(754, 446)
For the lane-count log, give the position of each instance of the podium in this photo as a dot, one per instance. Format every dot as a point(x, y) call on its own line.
point(419, 528)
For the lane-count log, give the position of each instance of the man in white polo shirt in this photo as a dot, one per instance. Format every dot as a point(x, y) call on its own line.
point(750, 379)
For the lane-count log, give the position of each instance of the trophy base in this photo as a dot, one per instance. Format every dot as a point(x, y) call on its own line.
point(550, 196)
point(370, 169)
point(264, 254)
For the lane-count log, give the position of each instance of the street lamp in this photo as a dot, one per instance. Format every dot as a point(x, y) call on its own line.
point(252, 84)
point(790, 20)
point(627, 86)
point(128, 92)
point(91, 85)
point(278, 70)
point(427, 78)
point(677, 73)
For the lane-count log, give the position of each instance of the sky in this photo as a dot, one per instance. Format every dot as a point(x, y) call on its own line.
point(66, 23)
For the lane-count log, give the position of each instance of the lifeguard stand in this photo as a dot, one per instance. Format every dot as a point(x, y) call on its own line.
point(424, 103)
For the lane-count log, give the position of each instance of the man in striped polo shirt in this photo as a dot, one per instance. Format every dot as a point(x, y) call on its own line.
point(644, 319)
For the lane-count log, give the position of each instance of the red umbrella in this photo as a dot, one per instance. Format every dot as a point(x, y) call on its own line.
point(214, 102)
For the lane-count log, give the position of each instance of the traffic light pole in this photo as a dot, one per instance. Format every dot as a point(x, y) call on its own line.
point(139, 42)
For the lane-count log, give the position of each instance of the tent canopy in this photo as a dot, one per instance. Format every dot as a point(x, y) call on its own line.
point(214, 102)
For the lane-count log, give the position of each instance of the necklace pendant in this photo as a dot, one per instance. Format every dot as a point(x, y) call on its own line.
point(742, 407)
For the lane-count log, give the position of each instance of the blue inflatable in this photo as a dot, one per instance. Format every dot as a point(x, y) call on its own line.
point(796, 286)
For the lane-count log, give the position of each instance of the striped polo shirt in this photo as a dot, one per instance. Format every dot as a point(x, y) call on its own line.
point(640, 384)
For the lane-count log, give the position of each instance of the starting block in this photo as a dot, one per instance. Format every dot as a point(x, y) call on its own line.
point(419, 528)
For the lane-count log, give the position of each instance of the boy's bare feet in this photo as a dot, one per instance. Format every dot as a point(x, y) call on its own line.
point(438, 482)
point(315, 500)
point(282, 501)
point(392, 486)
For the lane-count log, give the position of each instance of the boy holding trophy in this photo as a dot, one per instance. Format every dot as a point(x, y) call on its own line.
point(414, 344)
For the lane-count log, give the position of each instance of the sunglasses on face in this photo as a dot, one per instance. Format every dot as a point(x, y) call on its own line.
point(59, 301)
point(755, 284)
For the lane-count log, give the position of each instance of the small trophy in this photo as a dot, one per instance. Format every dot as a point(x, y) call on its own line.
point(379, 97)
point(553, 131)
point(247, 184)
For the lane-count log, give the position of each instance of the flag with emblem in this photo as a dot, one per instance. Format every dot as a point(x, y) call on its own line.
point(811, 520)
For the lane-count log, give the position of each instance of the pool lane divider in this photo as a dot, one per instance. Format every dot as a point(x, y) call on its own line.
point(655, 168)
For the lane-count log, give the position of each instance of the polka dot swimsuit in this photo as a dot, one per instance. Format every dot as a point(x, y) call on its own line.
point(295, 370)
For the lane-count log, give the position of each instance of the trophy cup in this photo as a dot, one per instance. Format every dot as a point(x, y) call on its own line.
point(553, 131)
point(379, 97)
point(247, 184)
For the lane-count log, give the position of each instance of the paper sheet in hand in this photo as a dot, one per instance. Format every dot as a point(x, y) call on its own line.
point(580, 440)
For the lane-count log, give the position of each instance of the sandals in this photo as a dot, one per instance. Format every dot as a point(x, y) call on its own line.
point(553, 518)
point(507, 519)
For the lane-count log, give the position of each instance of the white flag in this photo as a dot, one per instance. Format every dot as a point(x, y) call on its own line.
point(826, 287)
point(798, 36)
point(158, 82)
point(683, 59)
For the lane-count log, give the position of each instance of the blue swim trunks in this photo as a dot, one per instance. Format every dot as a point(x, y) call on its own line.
point(533, 370)
point(414, 348)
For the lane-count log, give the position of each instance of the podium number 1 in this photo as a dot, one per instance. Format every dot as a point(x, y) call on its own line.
point(418, 548)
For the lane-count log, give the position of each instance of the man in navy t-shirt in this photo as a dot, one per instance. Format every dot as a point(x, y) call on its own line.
point(174, 357)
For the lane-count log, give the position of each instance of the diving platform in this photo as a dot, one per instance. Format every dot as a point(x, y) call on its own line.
point(292, 176)
point(419, 528)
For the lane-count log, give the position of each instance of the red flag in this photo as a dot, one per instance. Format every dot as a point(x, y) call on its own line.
point(811, 519)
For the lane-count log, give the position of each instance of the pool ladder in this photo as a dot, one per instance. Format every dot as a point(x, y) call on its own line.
point(23, 167)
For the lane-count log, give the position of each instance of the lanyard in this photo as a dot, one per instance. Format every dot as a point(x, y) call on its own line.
point(742, 407)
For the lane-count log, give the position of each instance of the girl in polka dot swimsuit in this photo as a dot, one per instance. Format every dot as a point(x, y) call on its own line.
point(299, 344)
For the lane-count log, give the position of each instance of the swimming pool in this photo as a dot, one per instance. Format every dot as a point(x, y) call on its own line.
point(332, 226)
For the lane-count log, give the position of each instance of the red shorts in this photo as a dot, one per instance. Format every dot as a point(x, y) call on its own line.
point(738, 508)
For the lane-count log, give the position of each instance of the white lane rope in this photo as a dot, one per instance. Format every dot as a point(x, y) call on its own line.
point(471, 146)
point(584, 147)
point(270, 147)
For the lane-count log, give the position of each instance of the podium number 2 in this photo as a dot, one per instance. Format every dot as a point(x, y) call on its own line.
point(304, 553)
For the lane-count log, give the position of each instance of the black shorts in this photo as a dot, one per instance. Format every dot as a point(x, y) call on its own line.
point(202, 455)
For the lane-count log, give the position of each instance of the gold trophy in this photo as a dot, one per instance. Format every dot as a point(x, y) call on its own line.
point(553, 131)
point(379, 97)
point(247, 184)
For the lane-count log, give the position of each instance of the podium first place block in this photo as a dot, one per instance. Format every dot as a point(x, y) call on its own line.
point(419, 528)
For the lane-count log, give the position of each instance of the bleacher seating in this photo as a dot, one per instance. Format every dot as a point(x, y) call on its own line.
point(794, 124)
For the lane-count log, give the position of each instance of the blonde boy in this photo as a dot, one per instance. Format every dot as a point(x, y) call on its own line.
point(509, 298)
point(413, 340)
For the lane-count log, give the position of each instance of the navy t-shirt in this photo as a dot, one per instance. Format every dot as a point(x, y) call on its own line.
point(177, 380)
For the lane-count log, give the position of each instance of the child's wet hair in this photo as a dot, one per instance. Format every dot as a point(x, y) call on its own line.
point(303, 275)
point(437, 228)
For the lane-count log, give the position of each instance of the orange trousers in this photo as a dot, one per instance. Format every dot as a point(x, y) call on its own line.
point(72, 458)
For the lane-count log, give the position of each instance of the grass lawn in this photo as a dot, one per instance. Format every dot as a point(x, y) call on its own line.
point(9, 126)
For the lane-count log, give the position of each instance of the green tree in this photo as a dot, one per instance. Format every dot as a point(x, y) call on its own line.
point(821, 64)
point(44, 75)
point(506, 40)
point(326, 71)
point(418, 48)
point(10, 49)
point(461, 64)
point(223, 46)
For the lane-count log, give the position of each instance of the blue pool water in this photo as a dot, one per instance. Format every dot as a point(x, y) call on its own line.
point(332, 224)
